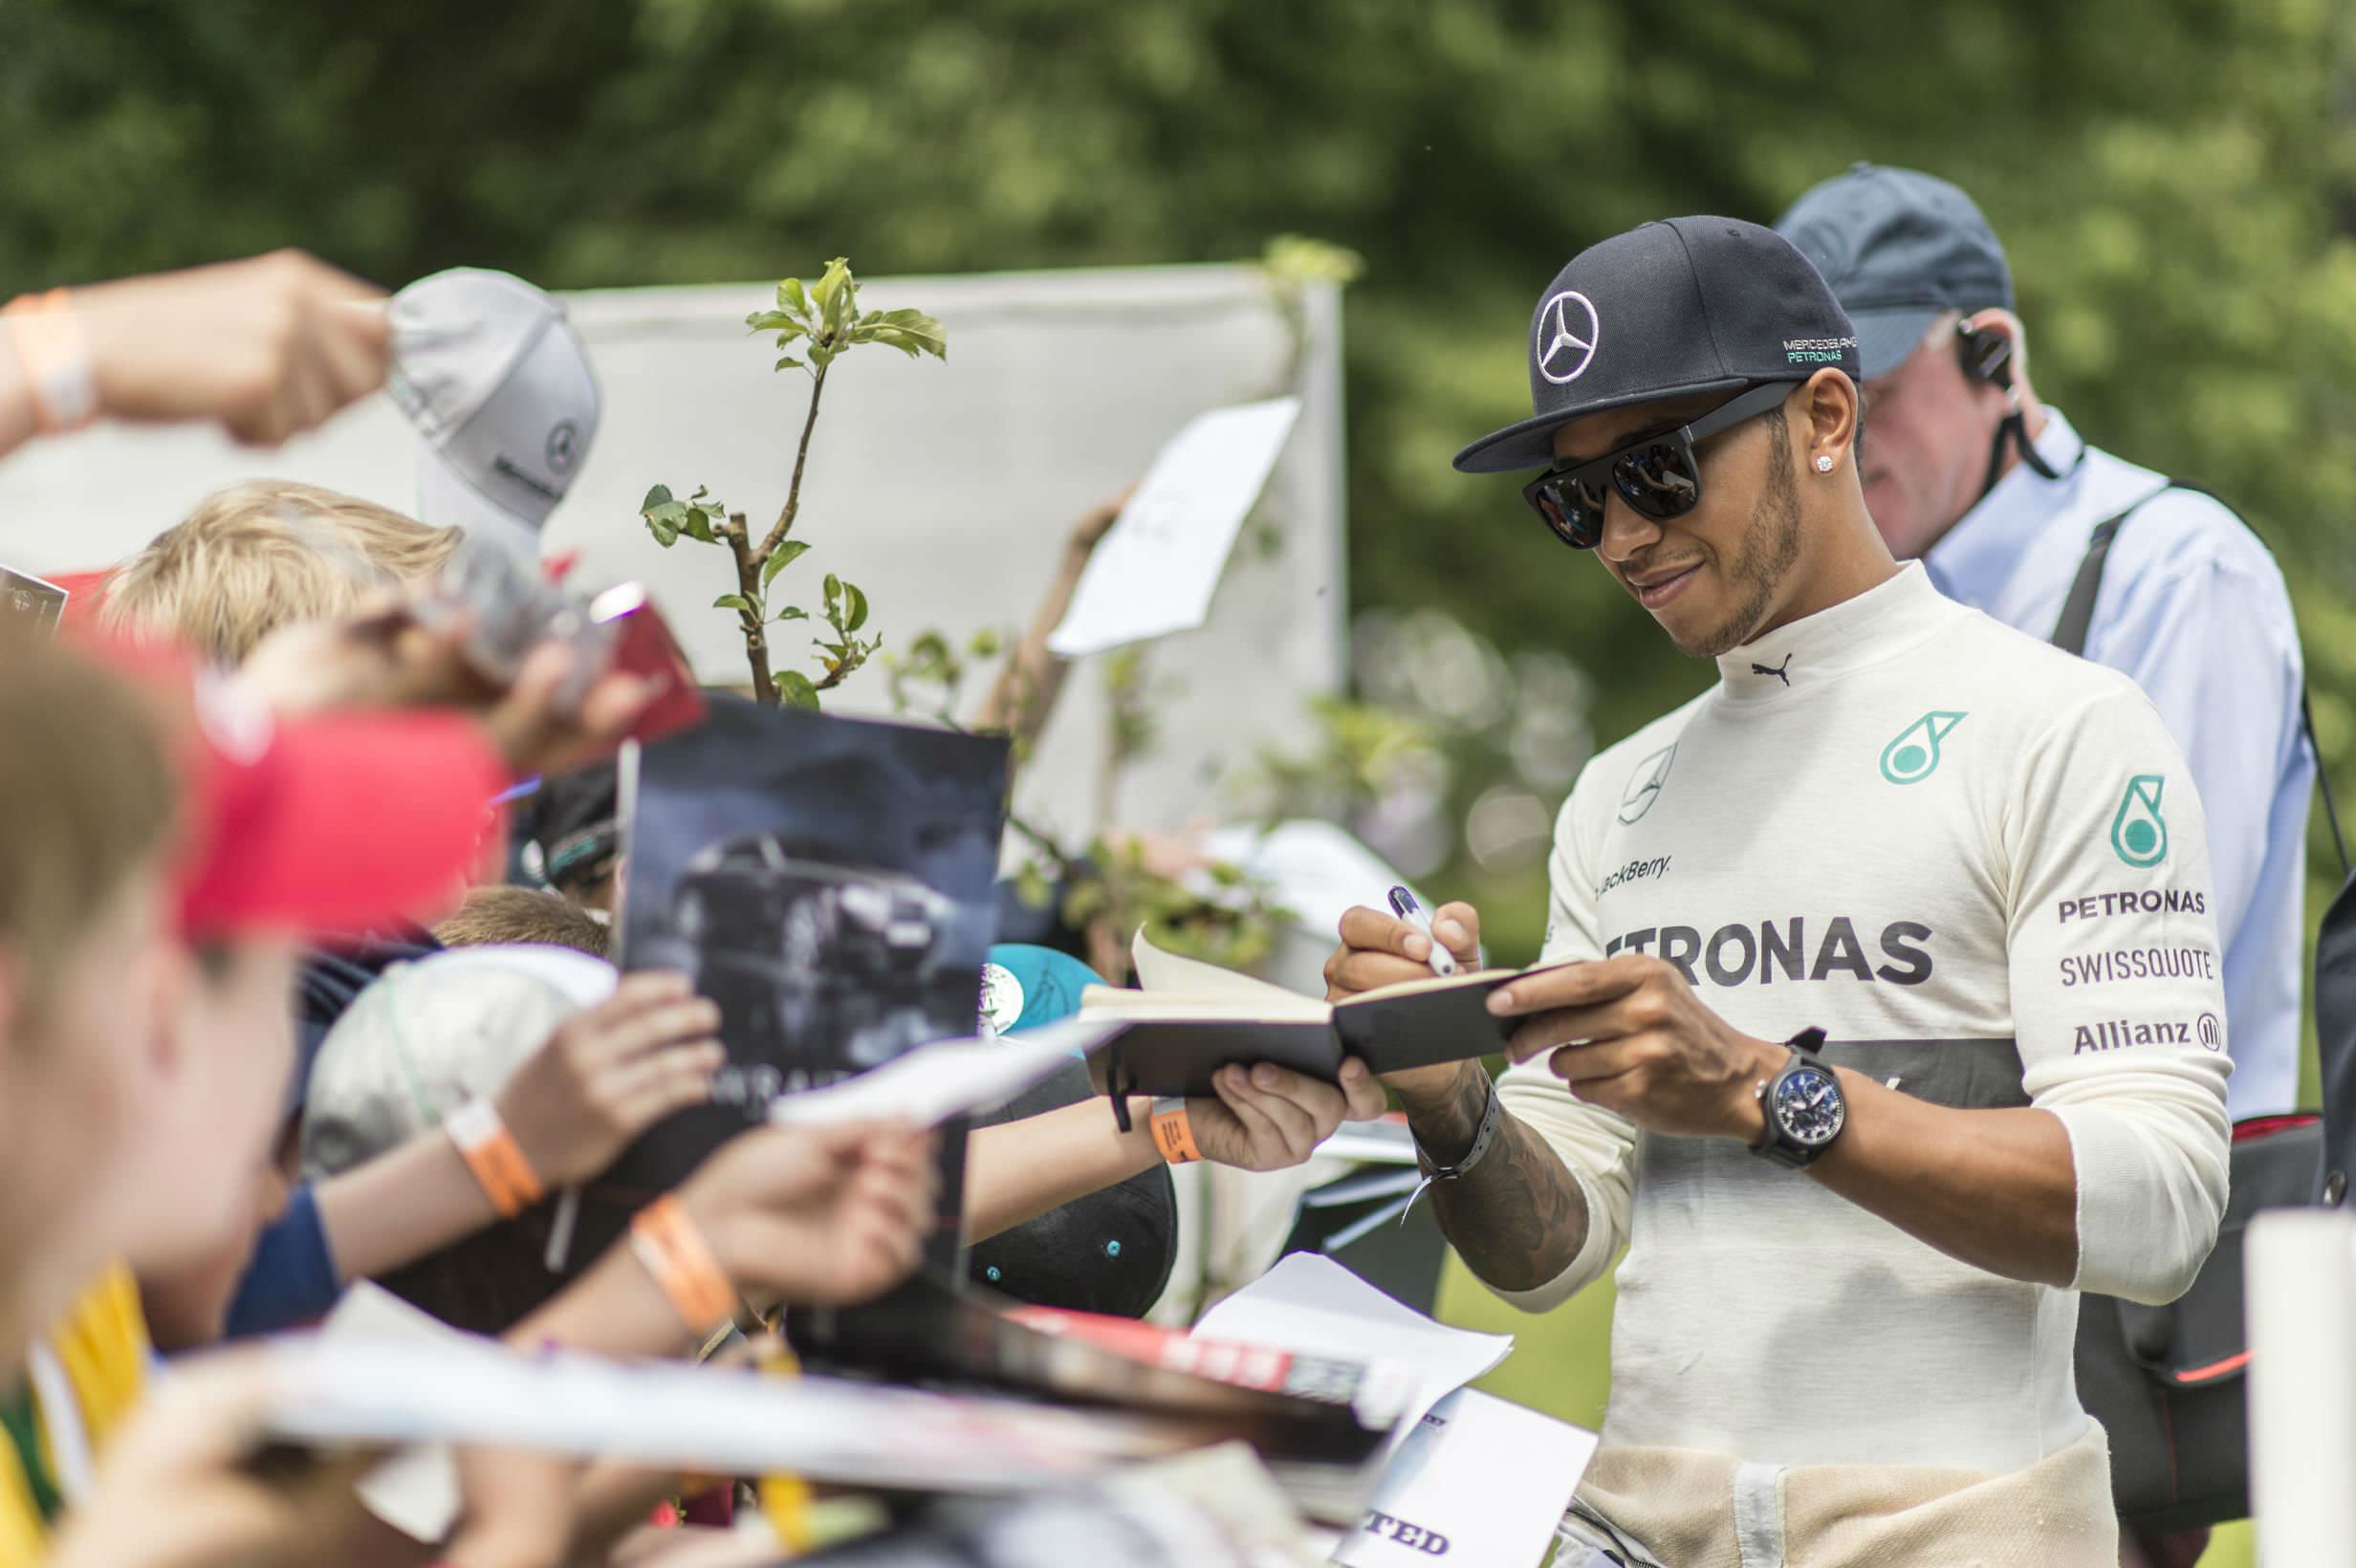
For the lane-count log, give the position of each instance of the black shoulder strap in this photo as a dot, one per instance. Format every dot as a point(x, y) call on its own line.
point(2069, 632)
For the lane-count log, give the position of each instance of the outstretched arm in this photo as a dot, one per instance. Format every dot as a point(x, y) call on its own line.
point(267, 347)
point(1263, 1118)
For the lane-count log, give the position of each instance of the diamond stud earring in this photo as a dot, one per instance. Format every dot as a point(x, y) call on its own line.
point(1824, 465)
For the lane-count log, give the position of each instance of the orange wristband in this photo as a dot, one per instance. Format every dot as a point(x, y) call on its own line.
point(491, 1151)
point(674, 1252)
point(1173, 1133)
point(55, 354)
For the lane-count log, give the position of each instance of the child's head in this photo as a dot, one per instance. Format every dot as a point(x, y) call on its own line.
point(423, 1041)
point(503, 915)
point(88, 959)
point(263, 555)
point(298, 828)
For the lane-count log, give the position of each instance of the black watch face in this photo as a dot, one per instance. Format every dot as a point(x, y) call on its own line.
point(1808, 1106)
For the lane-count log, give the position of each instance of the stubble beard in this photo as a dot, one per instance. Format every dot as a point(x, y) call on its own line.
point(1770, 549)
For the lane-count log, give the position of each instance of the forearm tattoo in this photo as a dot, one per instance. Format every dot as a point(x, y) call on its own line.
point(1517, 1218)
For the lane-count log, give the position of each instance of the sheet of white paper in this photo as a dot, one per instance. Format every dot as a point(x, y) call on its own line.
point(948, 1077)
point(1174, 974)
point(1154, 572)
point(478, 1393)
point(1480, 1480)
point(1383, 1142)
point(1310, 1303)
point(416, 1491)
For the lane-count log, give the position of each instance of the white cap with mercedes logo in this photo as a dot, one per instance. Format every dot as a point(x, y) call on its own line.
point(499, 385)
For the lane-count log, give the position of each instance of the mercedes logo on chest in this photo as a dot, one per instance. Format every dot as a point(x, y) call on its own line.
point(1567, 331)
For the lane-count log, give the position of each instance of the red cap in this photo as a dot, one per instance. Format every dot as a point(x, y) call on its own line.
point(321, 824)
point(335, 822)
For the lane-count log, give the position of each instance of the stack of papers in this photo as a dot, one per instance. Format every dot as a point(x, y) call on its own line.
point(1312, 1305)
point(1478, 1480)
point(1474, 1478)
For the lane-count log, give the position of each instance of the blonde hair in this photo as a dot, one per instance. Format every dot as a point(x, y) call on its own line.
point(266, 553)
point(91, 802)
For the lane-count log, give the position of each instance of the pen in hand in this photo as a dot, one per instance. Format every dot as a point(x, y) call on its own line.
point(1402, 904)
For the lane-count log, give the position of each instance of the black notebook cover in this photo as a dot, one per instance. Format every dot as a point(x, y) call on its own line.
point(1414, 1028)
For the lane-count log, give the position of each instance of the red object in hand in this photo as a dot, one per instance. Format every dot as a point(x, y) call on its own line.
point(646, 649)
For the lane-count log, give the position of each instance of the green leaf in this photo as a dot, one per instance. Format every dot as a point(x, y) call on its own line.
point(655, 497)
point(666, 533)
point(791, 297)
point(834, 591)
point(787, 361)
point(855, 608)
point(698, 521)
point(843, 301)
point(795, 687)
point(792, 612)
point(734, 601)
point(786, 327)
point(911, 331)
point(779, 558)
point(824, 310)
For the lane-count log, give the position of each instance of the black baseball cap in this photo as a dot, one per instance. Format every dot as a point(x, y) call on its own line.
point(1898, 246)
point(1677, 307)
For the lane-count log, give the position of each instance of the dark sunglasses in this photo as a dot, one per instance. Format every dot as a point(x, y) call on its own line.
point(1656, 475)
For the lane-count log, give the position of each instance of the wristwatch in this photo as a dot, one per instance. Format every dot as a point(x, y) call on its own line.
point(1803, 1105)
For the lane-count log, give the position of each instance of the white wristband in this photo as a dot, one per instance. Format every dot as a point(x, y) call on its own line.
point(50, 346)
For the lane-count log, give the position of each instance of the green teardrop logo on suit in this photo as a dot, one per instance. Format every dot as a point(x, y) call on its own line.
point(1915, 755)
point(2138, 832)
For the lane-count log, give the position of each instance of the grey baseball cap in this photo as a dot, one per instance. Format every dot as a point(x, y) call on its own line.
point(499, 387)
point(1898, 246)
point(1676, 308)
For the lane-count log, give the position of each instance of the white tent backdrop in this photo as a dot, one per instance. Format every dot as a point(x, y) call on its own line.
point(945, 490)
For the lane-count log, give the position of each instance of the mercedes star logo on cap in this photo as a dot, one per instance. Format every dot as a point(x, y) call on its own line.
point(1567, 331)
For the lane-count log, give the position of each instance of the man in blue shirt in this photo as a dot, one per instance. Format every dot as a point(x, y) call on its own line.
point(1999, 498)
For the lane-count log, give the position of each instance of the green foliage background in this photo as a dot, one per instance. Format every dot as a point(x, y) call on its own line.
point(2175, 179)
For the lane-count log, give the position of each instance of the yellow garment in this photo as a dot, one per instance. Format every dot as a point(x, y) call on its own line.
point(786, 1499)
point(22, 1533)
point(102, 1348)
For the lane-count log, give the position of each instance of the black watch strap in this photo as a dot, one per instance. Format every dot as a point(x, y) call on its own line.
point(1777, 1147)
point(1483, 1134)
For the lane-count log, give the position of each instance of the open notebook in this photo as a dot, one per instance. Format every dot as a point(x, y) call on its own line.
point(1194, 1019)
